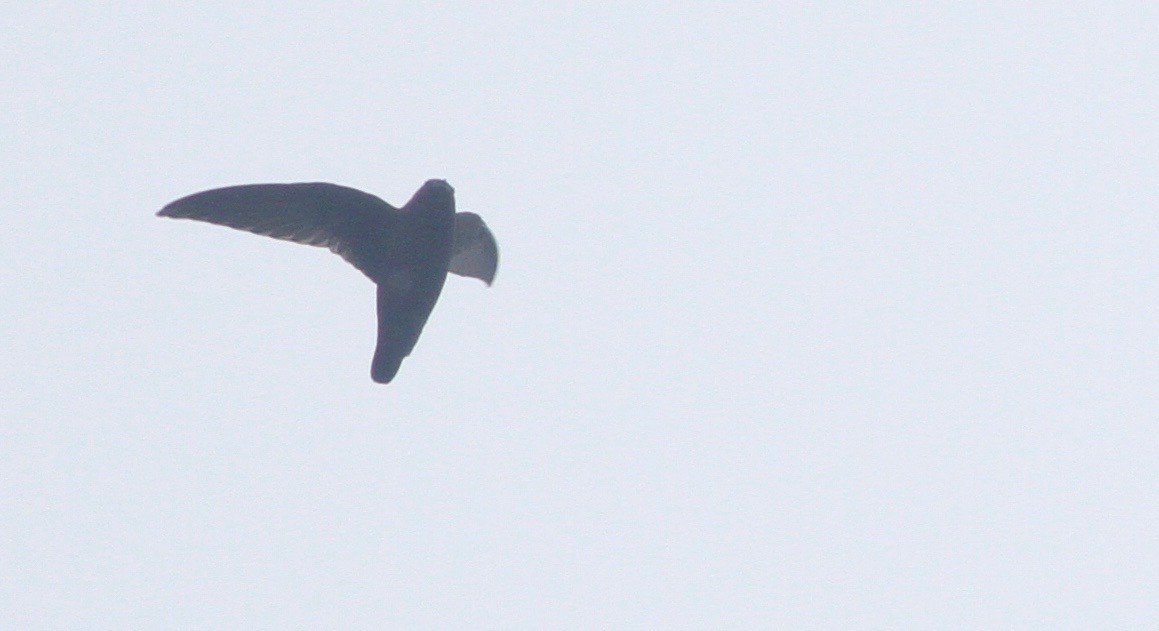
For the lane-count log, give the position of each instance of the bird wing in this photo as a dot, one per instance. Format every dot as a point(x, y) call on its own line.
point(474, 252)
point(404, 304)
point(347, 221)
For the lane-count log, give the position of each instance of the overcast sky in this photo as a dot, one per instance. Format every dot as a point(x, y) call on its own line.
point(808, 316)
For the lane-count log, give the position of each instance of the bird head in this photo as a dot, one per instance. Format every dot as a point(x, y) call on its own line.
point(434, 193)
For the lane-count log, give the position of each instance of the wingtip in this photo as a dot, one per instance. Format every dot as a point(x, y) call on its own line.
point(382, 378)
point(384, 373)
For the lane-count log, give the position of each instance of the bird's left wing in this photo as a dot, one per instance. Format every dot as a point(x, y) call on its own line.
point(347, 221)
point(474, 252)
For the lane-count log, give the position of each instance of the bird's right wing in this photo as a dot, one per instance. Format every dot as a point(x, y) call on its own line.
point(474, 252)
point(347, 221)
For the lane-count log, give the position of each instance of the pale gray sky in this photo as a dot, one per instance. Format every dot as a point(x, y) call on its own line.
point(809, 316)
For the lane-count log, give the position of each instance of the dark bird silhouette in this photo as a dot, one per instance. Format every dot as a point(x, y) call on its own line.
point(406, 251)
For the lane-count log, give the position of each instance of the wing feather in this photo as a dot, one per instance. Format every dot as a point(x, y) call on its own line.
point(347, 221)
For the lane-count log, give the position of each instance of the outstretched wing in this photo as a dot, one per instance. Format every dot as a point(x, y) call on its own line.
point(349, 222)
point(474, 253)
point(404, 304)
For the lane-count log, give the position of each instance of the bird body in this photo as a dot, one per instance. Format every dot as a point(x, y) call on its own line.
point(407, 252)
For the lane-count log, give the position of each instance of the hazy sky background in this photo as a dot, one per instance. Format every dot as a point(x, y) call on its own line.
point(808, 316)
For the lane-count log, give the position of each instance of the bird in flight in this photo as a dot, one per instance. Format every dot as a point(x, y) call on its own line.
point(406, 251)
